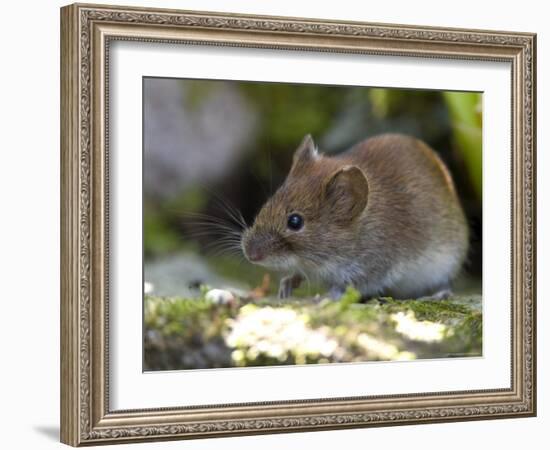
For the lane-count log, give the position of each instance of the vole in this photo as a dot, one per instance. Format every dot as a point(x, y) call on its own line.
point(383, 217)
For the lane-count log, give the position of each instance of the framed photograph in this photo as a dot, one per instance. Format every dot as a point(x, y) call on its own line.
point(276, 224)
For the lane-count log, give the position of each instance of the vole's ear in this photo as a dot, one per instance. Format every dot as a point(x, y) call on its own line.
point(346, 193)
point(305, 153)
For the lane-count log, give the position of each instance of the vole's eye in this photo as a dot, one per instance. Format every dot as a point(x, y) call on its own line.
point(295, 222)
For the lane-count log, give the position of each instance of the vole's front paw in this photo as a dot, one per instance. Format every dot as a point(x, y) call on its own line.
point(335, 293)
point(285, 287)
point(442, 294)
point(288, 284)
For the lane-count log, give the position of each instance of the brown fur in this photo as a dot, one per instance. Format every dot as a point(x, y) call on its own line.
point(376, 217)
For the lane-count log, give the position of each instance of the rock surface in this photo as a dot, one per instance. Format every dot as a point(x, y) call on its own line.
point(191, 333)
point(181, 275)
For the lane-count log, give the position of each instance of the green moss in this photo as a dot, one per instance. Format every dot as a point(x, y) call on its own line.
point(431, 310)
point(192, 332)
point(350, 297)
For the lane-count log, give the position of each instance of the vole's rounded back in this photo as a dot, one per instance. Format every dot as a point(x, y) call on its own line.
point(383, 217)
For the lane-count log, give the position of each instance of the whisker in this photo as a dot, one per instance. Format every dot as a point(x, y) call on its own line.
point(207, 231)
point(225, 241)
point(228, 244)
point(228, 221)
point(218, 250)
point(224, 233)
point(209, 223)
point(232, 212)
point(227, 207)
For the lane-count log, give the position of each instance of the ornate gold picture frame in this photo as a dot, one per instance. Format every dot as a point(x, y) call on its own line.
point(87, 31)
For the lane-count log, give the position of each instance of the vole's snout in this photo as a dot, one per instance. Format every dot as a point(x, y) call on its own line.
point(256, 247)
point(254, 253)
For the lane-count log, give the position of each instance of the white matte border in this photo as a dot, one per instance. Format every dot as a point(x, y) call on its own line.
point(130, 388)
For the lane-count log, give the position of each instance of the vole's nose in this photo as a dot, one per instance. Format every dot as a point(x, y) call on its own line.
point(256, 246)
point(255, 254)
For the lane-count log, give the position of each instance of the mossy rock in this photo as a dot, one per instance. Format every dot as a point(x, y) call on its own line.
point(192, 333)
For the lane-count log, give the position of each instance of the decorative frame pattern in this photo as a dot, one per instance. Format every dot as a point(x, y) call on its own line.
point(86, 31)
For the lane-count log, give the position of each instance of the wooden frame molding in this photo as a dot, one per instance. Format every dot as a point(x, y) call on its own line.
point(86, 33)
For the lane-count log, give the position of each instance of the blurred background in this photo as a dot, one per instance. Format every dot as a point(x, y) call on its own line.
point(215, 146)
point(216, 150)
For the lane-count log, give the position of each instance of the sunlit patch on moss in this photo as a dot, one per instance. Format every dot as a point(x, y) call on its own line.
point(408, 325)
point(184, 333)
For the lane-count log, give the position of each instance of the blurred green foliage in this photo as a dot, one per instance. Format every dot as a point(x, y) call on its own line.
point(159, 236)
point(466, 117)
point(286, 110)
point(337, 117)
point(162, 221)
point(194, 333)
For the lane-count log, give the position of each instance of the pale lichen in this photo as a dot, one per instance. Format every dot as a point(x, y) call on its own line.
point(183, 333)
